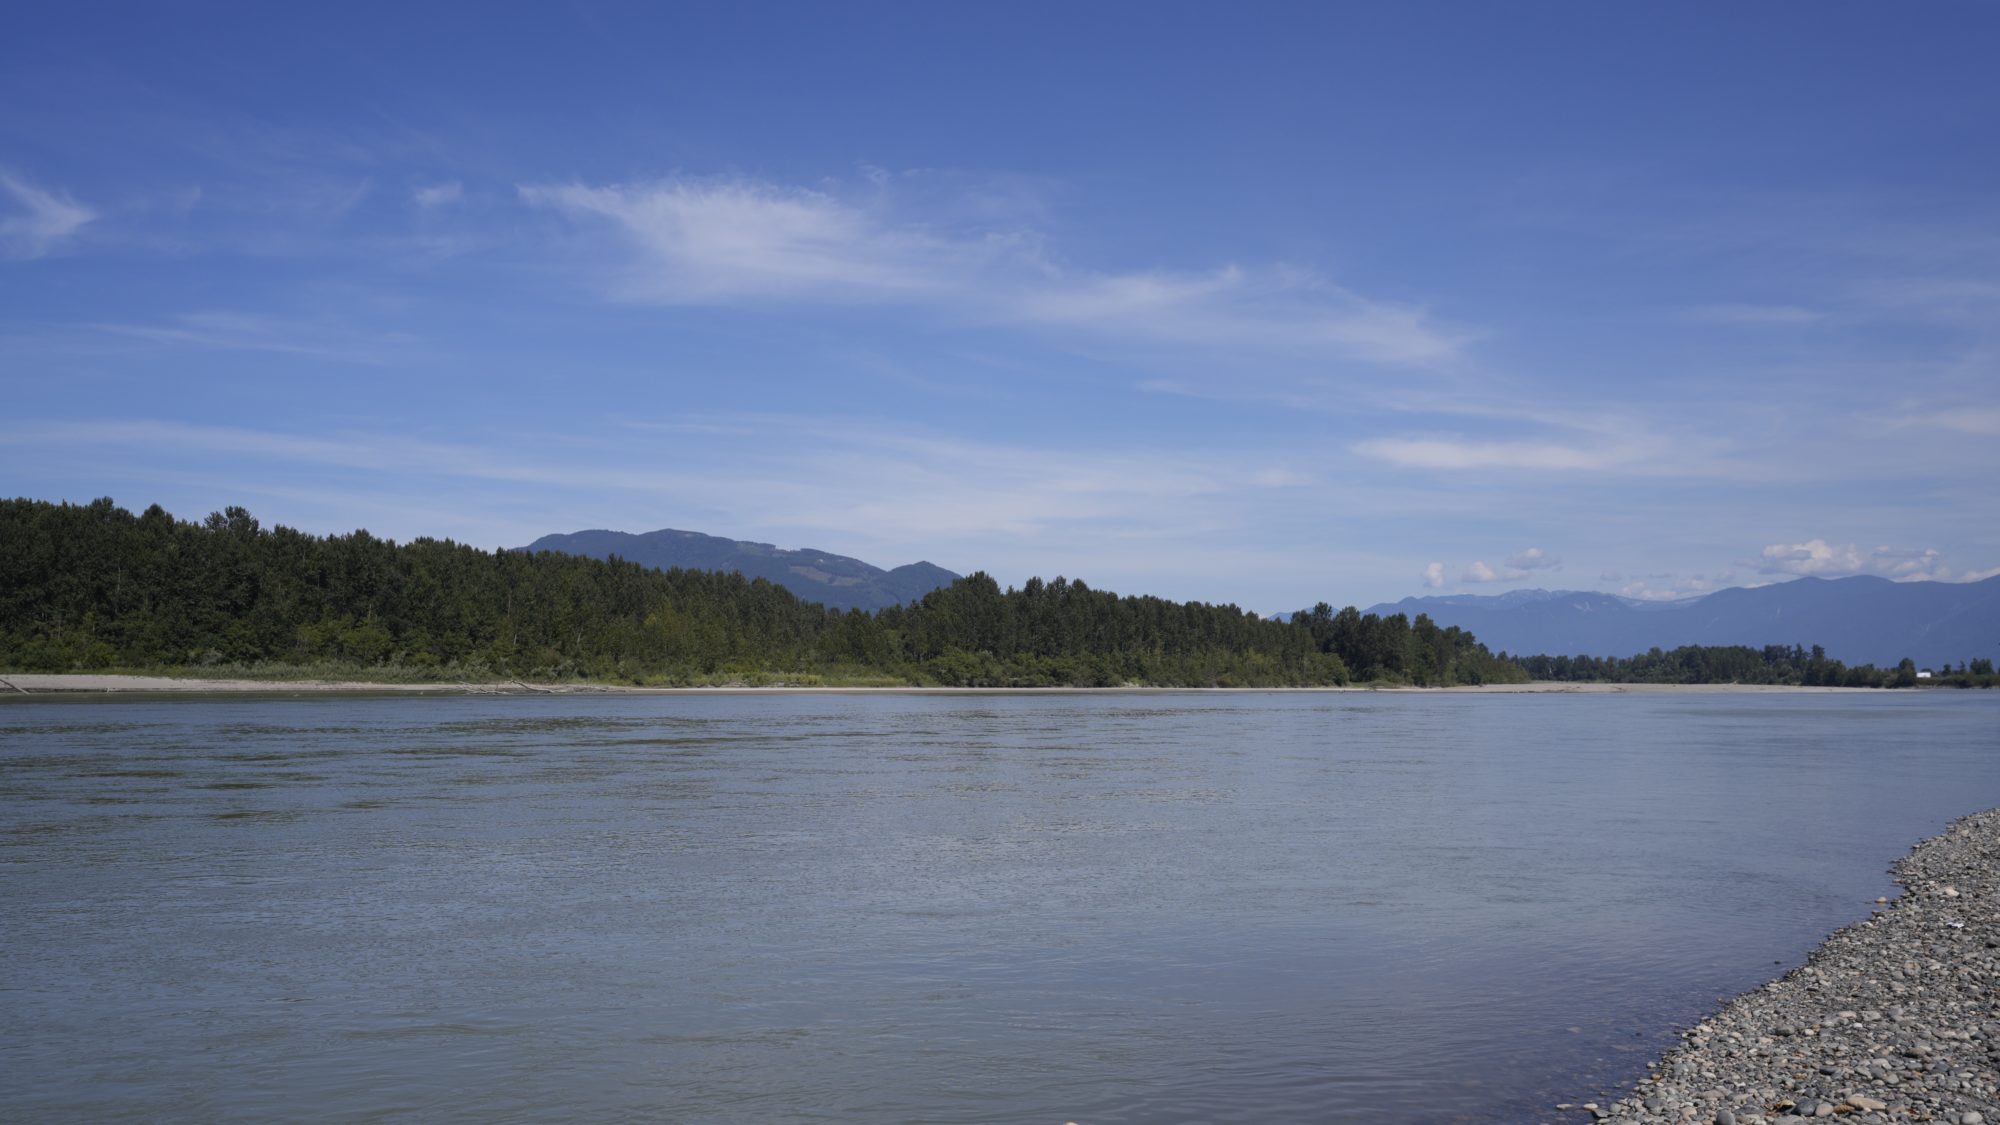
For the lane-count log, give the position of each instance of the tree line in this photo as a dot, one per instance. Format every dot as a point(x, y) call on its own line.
point(1741, 664)
point(95, 587)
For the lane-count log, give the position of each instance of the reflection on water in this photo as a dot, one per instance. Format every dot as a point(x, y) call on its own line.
point(924, 908)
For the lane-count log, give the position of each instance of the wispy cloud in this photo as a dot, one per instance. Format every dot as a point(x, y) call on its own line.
point(1433, 576)
point(161, 442)
point(717, 242)
point(1966, 419)
point(1961, 300)
point(713, 242)
point(1458, 454)
point(915, 483)
point(46, 220)
point(432, 196)
point(865, 487)
point(225, 331)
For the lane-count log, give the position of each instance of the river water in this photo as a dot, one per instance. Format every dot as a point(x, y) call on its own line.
point(925, 908)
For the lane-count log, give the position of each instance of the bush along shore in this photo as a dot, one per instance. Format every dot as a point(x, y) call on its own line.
point(1893, 1019)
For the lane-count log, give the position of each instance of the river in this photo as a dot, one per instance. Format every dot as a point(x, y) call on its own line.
point(924, 908)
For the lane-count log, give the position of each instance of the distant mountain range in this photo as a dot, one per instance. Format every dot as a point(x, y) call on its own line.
point(817, 576)
point(1861, 620)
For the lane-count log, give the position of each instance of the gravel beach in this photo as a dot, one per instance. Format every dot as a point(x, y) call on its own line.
point(1893, 1019)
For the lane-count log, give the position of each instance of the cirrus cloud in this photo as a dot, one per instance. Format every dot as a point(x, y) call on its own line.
point(689, 241)
point(1448, 453)
point(432, 196)
point(47, 219)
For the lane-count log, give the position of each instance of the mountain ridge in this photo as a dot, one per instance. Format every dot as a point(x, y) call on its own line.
point(836, 581)
point(1861, 619)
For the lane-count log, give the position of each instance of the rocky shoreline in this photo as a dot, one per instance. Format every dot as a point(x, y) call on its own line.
point(1893, 1019)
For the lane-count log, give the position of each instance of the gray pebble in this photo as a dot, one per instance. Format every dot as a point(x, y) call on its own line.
point(1894, 1018)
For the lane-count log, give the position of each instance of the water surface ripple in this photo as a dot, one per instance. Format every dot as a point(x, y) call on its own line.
point(937, 909)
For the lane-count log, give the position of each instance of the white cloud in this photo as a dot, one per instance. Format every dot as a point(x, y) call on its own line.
point(1813, 557)
point(1818, 558)
point(1453, 454)
point(714, 242)
point(48, 220)
point(1534, 558)
point(718, 241)
point(1516, 568)
point(1979, 575)
point(1670, 586)
point(1480, 572)
point(438, 195)
point(1434, 576)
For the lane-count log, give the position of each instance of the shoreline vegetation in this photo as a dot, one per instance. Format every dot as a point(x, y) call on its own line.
point(1894, 1018)
point(42, 684)
point(95, 589)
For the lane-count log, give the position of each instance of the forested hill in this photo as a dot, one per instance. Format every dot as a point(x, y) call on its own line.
point(95, 587)
point(820, 576)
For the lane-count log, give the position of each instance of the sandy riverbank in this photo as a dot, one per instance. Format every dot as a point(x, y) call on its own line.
point(1893, 1019)
point(13, 684)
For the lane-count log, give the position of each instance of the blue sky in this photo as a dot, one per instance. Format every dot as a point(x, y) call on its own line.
point(1254, 303)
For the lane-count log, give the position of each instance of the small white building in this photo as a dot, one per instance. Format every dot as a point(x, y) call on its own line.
point(1924, 675)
